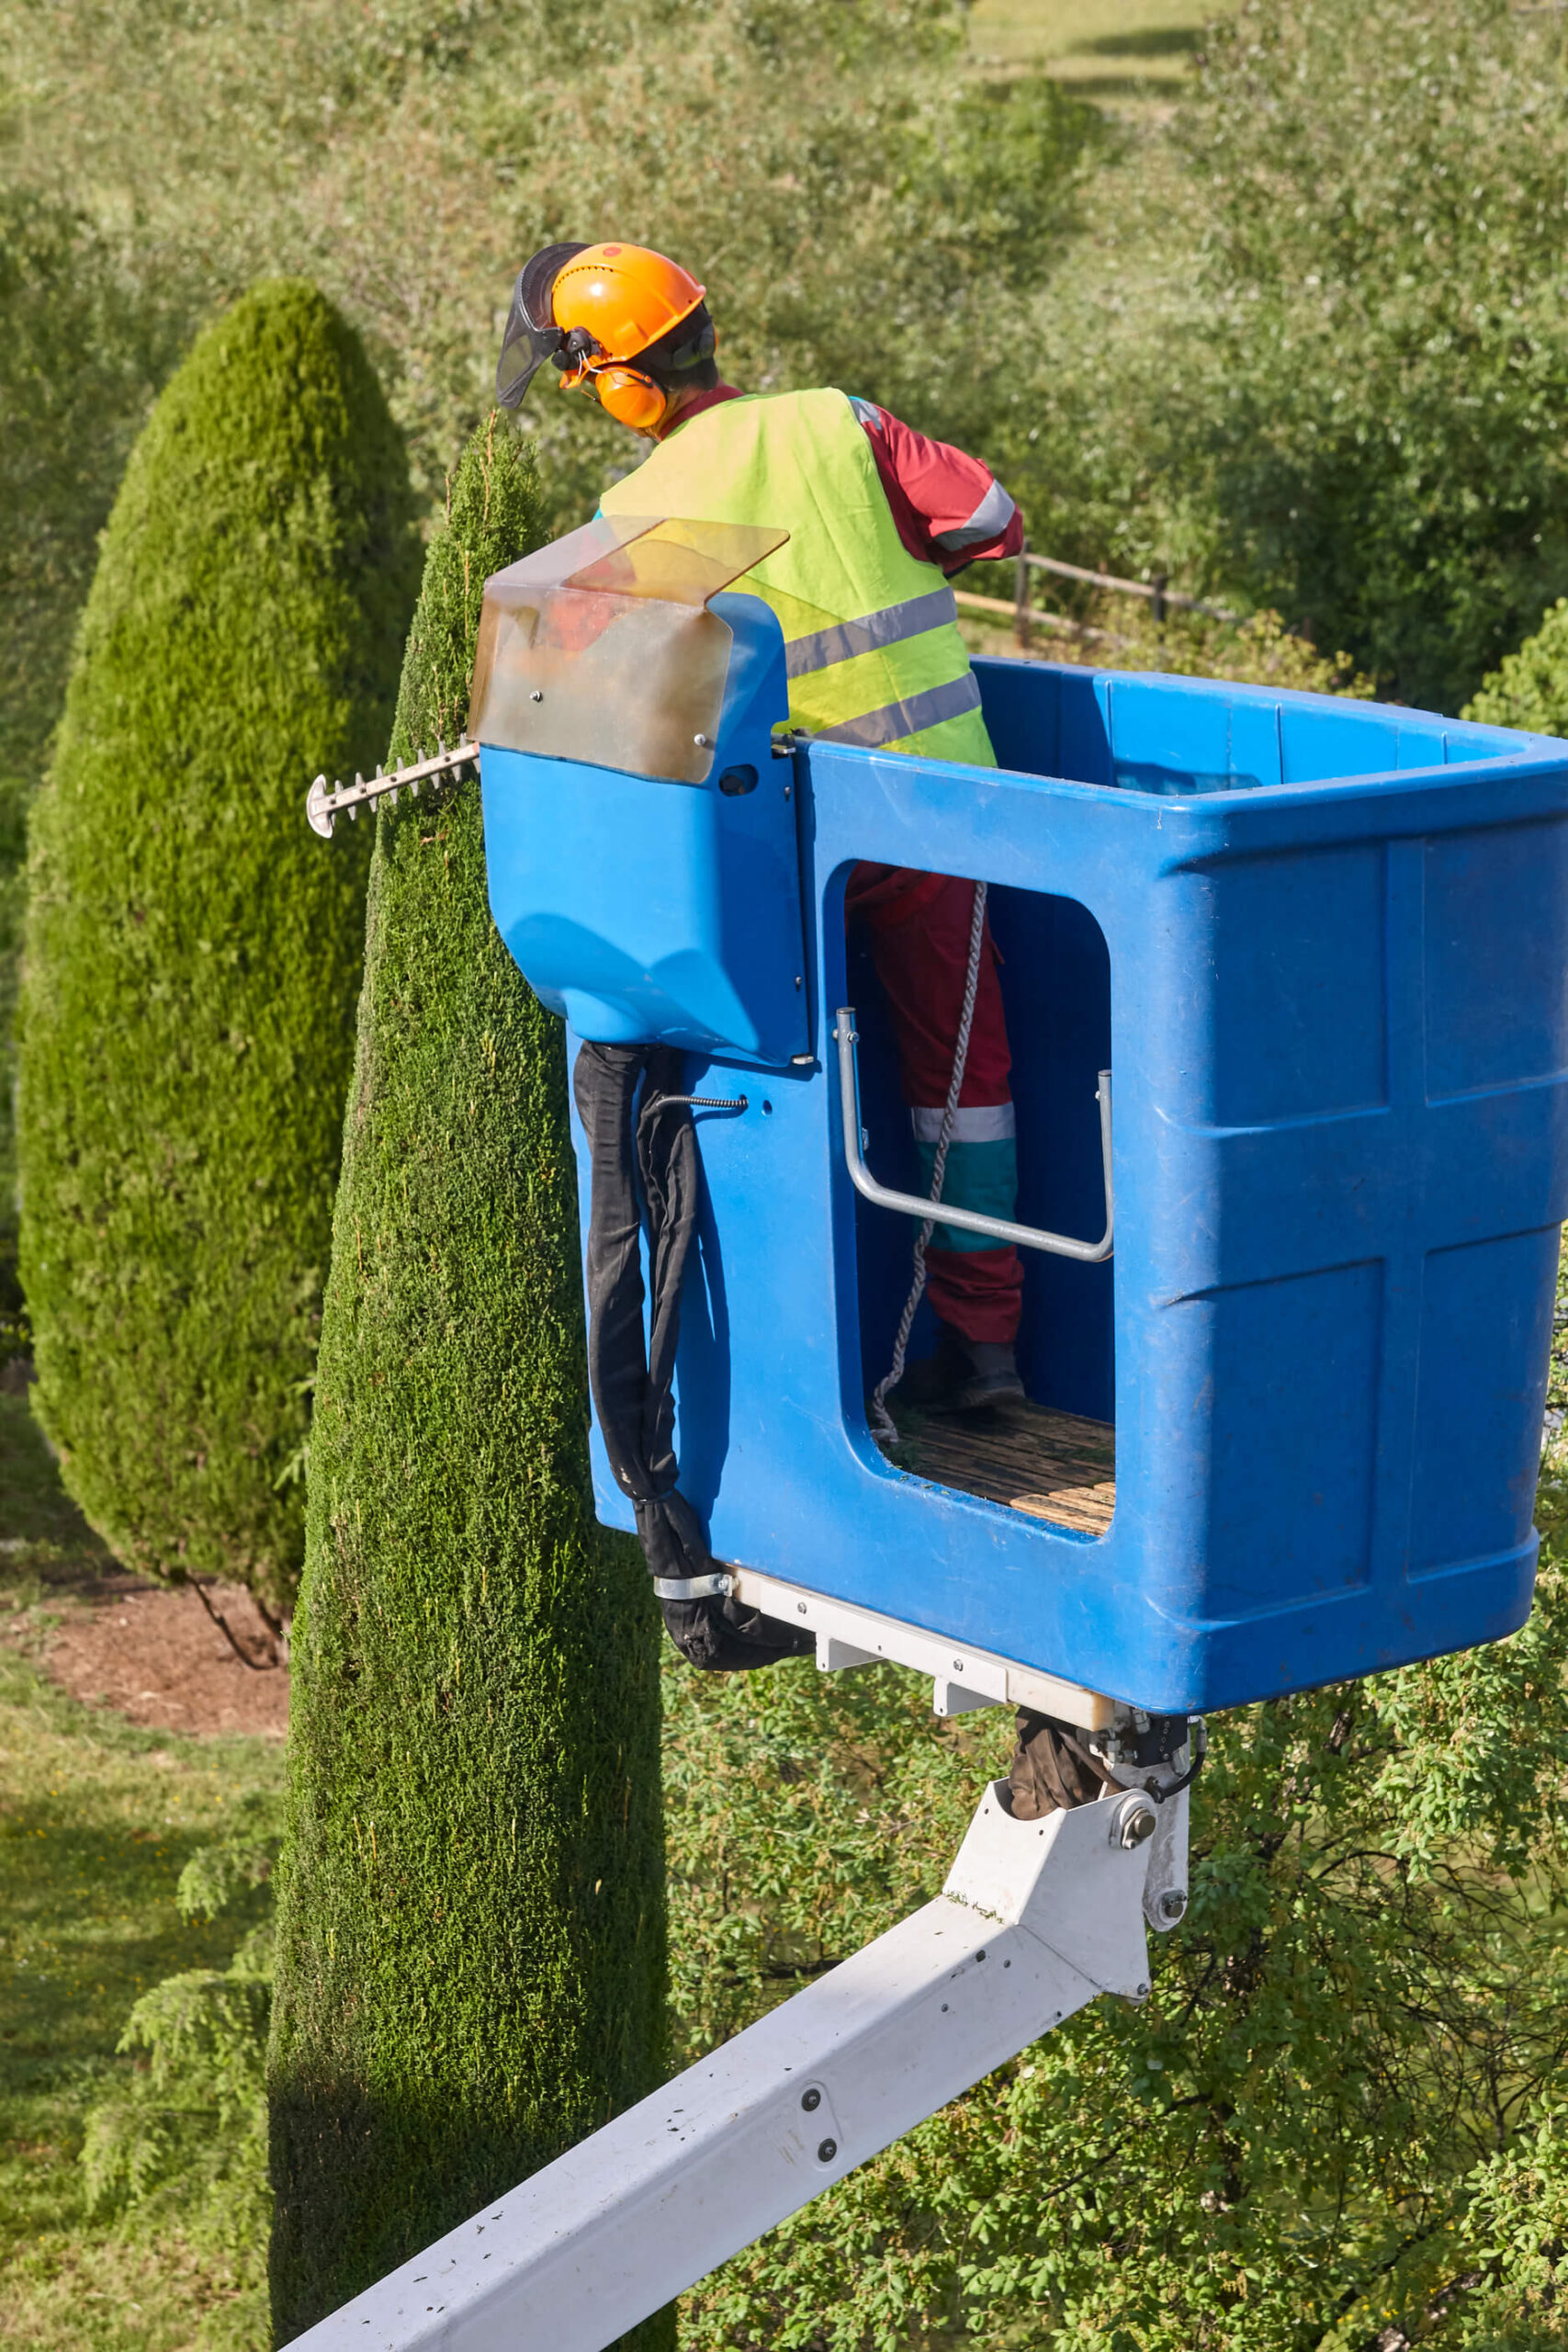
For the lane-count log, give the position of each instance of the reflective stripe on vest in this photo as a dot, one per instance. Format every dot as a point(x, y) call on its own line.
point(916, 715)
point(889, 627)
point(870, 637)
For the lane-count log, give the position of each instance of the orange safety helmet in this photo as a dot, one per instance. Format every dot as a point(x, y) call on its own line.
point(591, 308)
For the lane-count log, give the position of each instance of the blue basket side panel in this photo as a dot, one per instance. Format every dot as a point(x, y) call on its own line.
point(1299, 1012)
point(1170, 739)
point(1272, 1388)
point(1496, 951)
point(1485, 1333)
point(1381, 1257)
point(1322, 739)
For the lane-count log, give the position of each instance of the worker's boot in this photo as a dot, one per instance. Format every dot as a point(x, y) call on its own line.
point(973, 1373)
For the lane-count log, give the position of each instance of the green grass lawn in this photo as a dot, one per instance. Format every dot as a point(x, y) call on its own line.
point(97, 1817)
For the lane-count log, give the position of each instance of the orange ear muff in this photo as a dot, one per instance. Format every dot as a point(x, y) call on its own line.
point(629, 397)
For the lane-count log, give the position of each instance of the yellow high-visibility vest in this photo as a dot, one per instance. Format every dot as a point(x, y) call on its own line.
point(871, 631)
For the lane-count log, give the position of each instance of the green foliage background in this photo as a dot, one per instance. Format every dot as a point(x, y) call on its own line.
point(1529, 688)
point(406, 156)
point(1329, 2120)
point(472, 1951)
point(1303, 346)
point(409, 156)
point(192, 959)
point(1338, 2123)
point(1311, 350)
point(1383, 218)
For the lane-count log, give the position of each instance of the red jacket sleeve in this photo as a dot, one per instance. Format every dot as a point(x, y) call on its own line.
point(949, 508)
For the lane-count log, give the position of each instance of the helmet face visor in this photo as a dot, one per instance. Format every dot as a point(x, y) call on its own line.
point(532, 335)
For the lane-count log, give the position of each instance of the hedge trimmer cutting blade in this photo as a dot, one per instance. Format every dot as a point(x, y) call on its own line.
point(322, 807)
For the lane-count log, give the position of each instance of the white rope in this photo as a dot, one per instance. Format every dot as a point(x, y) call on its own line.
point(882, 1419)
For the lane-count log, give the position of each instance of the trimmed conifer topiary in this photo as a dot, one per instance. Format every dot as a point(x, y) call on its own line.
point(470, 1967)
point(192, 959)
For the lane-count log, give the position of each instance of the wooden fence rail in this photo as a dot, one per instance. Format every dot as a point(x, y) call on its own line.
point(1026, 615)
point(1159, 594)
point(1059, 623)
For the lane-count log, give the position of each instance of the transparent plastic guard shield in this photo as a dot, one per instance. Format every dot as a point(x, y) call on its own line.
point(601, 647)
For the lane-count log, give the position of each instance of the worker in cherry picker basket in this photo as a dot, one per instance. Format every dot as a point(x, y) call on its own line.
point(880, 518)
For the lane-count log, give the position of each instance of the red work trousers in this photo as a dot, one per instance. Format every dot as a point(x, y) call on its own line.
point(919, 927)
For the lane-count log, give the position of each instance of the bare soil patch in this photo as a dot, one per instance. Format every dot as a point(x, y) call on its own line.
point(111, 1639)
point(154, 1654)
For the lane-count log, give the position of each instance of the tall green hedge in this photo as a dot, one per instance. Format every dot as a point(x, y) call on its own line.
point(86, 342)
point(472, 1927)
point(191, 958)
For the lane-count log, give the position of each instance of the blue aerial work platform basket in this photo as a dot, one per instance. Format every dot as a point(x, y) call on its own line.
point(1288, 1429)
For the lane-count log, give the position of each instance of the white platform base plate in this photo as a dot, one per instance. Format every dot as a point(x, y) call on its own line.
point(962, 1678)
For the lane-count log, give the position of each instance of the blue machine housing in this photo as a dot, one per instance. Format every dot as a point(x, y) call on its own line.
point(676, 918)
point(1322, 945)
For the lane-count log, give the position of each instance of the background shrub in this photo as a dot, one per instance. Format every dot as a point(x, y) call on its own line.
point(1530, 689)
point(192, 958)
point(1360, 411)
point(863, 210)
point(1308, 344)
point(470, 1969)
point(1335, 2124)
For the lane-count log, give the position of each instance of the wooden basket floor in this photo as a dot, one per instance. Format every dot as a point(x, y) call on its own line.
point(1053, 1465)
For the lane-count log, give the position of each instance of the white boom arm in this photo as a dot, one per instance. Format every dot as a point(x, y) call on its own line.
point(1035, 1919)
